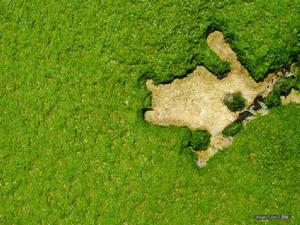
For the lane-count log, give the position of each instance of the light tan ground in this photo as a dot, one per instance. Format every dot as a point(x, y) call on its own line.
point(196, 101)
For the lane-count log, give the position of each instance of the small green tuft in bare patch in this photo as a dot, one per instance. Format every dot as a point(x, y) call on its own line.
point(234, 101)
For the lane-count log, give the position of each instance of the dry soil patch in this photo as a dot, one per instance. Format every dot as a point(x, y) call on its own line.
point(196, 101)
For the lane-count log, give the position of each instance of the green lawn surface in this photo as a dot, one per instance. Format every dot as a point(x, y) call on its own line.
point(74, 147)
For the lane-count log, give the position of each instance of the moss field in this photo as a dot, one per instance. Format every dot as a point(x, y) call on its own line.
point(74, 146)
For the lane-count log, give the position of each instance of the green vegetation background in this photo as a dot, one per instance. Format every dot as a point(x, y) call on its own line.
point(74, 148)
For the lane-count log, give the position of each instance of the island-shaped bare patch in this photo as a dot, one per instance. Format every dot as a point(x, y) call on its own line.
point(197, 101)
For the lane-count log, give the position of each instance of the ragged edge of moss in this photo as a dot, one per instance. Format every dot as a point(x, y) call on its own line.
point(199, 139)
point(295, 69)
point(233, 128)
point(219, 68)
point(282, 88)
point(211, 60)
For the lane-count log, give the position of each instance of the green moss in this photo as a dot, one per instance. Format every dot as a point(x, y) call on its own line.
point(213, 64)
point(297, 86)
point(282, 87)
point(74, 147)
point(234, 101)
point(296, 71)
point(233, 129)
point(285, 85)
point(199, 139)
point(273, 99)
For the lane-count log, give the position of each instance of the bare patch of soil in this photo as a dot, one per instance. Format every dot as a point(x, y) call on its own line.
point(196, 101)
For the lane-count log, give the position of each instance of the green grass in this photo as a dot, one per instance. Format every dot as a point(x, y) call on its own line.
point(74, 148)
